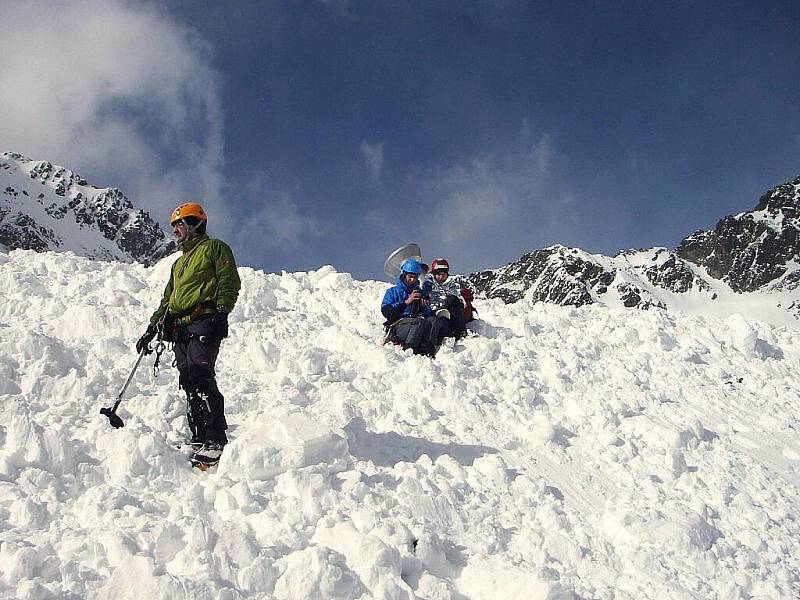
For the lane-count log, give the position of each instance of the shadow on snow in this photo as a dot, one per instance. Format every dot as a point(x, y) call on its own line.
point(390, 448)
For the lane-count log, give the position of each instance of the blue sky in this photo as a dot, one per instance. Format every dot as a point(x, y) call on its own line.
point(333, 132)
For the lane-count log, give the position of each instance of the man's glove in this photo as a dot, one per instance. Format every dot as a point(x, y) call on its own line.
point(143, 345)
point(219, 325)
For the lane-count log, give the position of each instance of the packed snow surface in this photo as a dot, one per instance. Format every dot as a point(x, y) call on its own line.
point(597, 452)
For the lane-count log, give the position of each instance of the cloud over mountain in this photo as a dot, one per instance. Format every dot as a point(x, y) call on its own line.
point(99, 84)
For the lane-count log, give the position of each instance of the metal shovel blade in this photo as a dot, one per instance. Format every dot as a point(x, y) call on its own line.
point(392, 265)
point(114, 418)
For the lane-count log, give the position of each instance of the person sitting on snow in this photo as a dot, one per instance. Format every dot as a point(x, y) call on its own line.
point(409, 319)
point(444, 294)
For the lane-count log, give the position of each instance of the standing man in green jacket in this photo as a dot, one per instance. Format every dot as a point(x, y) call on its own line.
point(193, 314)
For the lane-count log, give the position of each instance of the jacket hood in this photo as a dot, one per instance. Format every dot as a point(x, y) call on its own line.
point(399, 281)
point(187, 245)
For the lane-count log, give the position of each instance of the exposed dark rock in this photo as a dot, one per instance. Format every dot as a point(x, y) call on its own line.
point(750, 251)
point(556, 274)
point(107, 213)
point(21, 231)
point(633, 297)
point(674, 274)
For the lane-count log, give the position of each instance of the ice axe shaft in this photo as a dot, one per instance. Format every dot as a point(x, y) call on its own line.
point(111, 413)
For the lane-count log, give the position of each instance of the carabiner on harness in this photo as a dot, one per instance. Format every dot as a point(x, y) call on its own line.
point(160, 347)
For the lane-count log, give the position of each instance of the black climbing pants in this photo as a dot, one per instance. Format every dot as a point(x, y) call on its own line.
point(196, 353)
point(422, 335)
point(457, 328)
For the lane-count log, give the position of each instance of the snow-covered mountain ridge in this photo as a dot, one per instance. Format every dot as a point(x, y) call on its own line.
point(756, 251)
point(561, 453)
point(47, 207)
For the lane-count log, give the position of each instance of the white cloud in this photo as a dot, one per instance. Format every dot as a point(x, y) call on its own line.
point(519, 199)
point(280, 222)
point(339, 8)
point(373, 158)
point(275, 221)
point(117, 91)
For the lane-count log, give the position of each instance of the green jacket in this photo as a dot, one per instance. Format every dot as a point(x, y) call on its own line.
point(206, 273)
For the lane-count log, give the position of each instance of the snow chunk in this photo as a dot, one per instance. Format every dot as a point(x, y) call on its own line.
point(20, 562)
point(318, 572)
point(485, 580)
point(284, 441)
point(378, 565)
point(745, 337)
point(328, 278)
point(138, 578)
point(670, 532)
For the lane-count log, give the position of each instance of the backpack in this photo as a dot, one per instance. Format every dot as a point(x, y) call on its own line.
point(468, 296)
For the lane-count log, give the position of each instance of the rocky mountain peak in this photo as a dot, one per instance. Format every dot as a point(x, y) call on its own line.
point(756, 250)
point(753, 249)
point(782, 199)
point(48, 207)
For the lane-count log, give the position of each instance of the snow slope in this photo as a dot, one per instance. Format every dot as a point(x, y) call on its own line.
point(561, 453)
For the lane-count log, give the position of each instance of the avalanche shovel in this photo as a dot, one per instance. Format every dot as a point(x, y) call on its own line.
point(111, 413)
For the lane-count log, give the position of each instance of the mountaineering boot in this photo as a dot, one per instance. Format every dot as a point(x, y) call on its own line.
point(207, 456)
point(193, 445)
point(188, 445)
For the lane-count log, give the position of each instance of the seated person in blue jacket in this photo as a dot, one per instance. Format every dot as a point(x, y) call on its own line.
point(442, 293)
point(409, 319)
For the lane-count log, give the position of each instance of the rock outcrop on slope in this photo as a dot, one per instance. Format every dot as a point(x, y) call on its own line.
point(47, 207)
point(752, 251)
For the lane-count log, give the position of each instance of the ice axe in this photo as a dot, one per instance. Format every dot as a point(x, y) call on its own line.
point(111, 413)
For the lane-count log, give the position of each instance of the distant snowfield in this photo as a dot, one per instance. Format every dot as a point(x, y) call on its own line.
point(597, 452)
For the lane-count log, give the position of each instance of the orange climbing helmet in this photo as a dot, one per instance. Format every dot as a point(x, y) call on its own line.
point(188, 209)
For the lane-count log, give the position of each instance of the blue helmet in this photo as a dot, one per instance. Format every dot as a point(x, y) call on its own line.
point(411, 265)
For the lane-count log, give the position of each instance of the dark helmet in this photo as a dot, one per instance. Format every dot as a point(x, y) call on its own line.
point(440, 264)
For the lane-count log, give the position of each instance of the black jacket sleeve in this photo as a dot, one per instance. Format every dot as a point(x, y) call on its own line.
point(392, 313)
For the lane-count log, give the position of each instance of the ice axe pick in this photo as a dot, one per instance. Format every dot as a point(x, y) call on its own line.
point(111, 413)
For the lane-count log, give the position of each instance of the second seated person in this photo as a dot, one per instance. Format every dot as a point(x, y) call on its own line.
point(409, 319)
point(445, 294)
